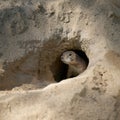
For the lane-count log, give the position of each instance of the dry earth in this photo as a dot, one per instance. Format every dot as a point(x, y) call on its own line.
point(33, 83)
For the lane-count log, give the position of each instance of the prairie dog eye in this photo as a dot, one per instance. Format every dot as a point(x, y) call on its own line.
point(70, 54)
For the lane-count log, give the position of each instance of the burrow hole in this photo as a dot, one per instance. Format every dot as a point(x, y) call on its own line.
point(63, 68)
point(26, 70)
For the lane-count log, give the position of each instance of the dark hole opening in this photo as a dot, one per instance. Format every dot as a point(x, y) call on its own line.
point(83, 55)
point(62, 69)
point(59, 70)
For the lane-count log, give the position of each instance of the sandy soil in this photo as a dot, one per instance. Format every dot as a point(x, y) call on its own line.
point(33, 83)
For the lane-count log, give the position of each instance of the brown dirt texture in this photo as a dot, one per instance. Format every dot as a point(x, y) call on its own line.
point(33, 82)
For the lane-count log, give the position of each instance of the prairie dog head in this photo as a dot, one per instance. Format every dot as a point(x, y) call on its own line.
point(69, 57)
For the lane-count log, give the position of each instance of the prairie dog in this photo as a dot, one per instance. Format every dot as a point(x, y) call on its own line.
point(76, 64)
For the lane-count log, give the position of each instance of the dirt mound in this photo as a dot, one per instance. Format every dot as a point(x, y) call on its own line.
point(33, 82)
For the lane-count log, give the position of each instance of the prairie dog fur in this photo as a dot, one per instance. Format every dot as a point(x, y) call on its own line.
point(76, 64)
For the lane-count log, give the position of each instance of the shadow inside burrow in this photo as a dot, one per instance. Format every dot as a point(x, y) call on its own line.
point(62, 70)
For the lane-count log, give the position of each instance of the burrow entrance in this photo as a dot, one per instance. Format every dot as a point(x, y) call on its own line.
point(63, 68)
point(37, 70)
